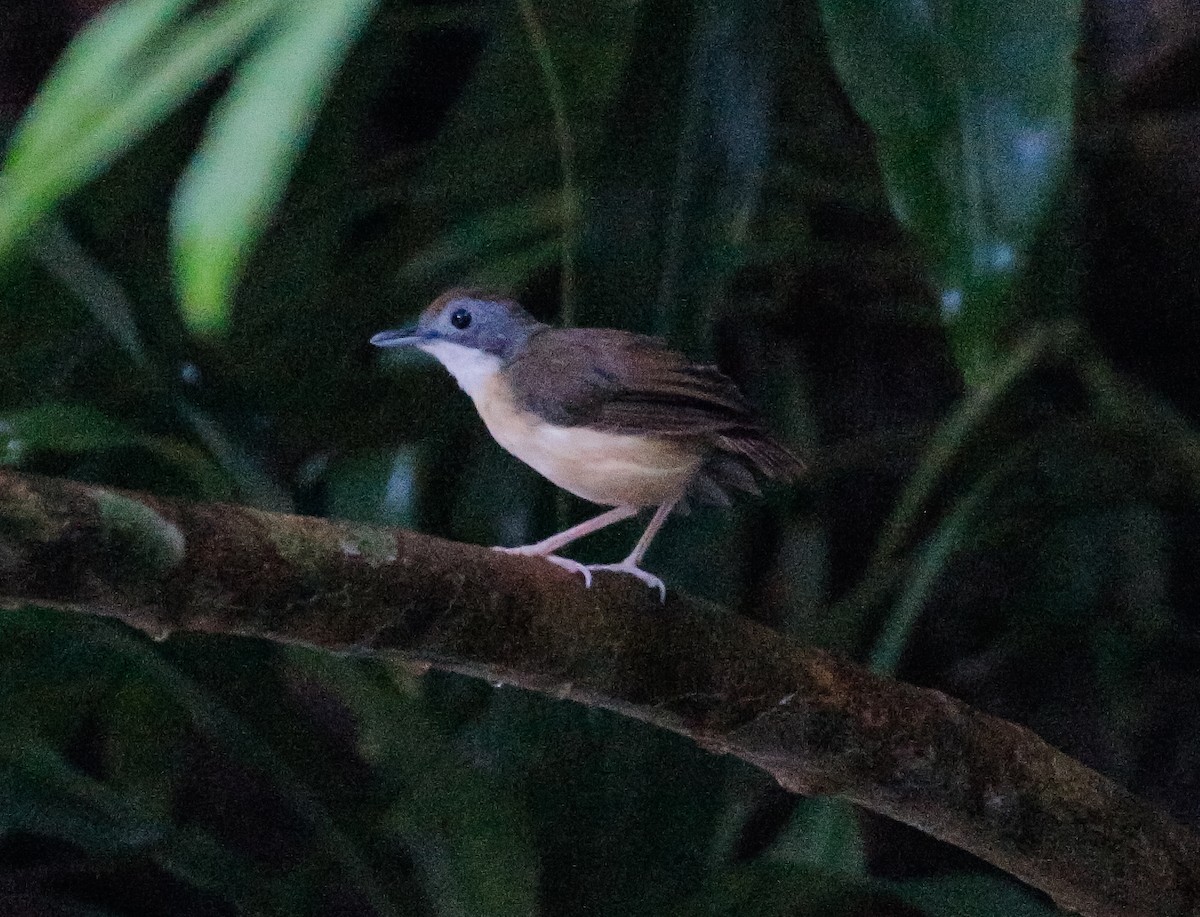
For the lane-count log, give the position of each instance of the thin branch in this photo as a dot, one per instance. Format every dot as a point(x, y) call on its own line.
point(818, 724)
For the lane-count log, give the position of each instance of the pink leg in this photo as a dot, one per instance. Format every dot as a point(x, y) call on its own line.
point(575, 532)
point(656, 523)
point(631, 563)
point(547, 546)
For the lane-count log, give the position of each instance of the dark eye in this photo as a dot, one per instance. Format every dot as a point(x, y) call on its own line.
point(460, 319)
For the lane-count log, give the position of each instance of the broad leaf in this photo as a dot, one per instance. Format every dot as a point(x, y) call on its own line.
point(971, 103)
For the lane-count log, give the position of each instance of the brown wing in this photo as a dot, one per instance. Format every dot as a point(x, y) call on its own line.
point(623, 383)
point(627, 383)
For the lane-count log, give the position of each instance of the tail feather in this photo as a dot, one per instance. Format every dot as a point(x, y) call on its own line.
point(765, 455)
point(741, 459)
point(730, 471)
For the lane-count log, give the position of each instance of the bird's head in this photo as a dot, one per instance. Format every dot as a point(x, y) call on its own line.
point(472, 333)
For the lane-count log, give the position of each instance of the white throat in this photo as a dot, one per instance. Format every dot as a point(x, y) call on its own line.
point(471, 368)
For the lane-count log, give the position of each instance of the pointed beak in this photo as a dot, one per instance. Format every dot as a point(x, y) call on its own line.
point(397, 337)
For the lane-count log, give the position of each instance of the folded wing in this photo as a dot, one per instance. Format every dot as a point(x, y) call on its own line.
point(626, 383)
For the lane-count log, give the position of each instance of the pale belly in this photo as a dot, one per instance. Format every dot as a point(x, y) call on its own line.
point(606, 468)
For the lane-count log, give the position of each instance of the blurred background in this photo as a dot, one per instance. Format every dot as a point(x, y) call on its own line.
point(950, 248)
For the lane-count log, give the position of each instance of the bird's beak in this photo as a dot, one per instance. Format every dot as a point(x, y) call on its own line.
point(398, 337)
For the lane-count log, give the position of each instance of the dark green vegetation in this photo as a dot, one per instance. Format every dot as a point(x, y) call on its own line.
point(949, 248)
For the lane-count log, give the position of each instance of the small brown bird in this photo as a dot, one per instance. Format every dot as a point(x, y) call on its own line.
point(616, 418)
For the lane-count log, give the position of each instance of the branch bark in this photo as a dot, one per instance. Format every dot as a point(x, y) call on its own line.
point(818, 724)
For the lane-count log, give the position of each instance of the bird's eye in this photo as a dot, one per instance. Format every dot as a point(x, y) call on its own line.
point(460, 319)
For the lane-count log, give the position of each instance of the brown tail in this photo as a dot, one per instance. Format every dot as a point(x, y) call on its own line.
point(764, 454)
point(742, 458)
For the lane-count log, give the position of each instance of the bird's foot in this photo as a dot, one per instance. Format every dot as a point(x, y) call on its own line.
point(627, 566)
point(571, 566)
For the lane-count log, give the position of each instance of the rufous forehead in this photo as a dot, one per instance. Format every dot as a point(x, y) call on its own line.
point(434, 309)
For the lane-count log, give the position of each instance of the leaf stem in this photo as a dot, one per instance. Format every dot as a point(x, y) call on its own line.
point(571, 200)
point(79, 272)
point(250, 747)
point(944, 448)
point(685, 168)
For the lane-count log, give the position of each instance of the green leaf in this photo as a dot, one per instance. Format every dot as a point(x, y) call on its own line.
point(58, 427)
point(972, 106)
point(616, 840)
point(50, 677)
point(201, 860)
point(251, 748)
point(824, 834)
point(787, 890)
point(375, 486)
point(56, 686)
point(143, 732)
point(95, 68)
point(120, 77)
point(482, 241)
point(78, 429)
point(679, 168)
point(929, 563)
point(973, 896)
point(41, 793)
point(239, 173)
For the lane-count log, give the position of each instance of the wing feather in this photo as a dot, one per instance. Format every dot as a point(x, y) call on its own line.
point(623, 382)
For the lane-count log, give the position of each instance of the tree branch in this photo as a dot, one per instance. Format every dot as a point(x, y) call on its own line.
point(819, 725)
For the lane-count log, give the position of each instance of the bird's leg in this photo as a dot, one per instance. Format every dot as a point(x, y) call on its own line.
point(574, 533)
point(631, 563)
point(547, 546)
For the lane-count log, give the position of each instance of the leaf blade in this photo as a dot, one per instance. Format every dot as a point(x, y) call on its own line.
point(972, 106)
point(73, 133)
point(238, 175)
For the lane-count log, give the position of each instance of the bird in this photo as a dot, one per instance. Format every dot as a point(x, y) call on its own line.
point(616, 418)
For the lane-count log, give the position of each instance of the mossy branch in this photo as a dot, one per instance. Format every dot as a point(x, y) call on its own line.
point(819, 725)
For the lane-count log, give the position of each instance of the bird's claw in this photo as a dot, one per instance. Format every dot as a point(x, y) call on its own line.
point(571, 566)
point(574, 566)
point(634, 570)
